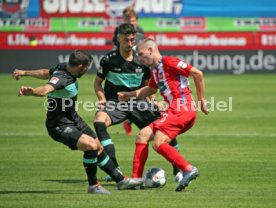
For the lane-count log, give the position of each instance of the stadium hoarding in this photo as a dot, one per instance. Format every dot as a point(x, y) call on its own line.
point(166, 41)
point(110, 8)
point(215, 61)
point(56, 41)
point(157, 24)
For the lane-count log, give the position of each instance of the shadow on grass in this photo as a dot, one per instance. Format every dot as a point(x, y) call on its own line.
point(28, 192)
point(68, 181)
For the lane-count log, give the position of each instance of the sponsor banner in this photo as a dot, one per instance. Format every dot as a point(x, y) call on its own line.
point(84, 24)
point(83, 8)
point(183, 24)
point(159, 8)
point(19, 9)
point(180, 41)
point(166, 41)
point(21, 25)
point(93, 41)
point(216, 61)
point(173, 24)
point(110, 8)
point(233, 8)
point(264, 39)
point(240, 24)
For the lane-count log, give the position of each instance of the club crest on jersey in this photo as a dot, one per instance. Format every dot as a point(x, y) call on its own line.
point(182, 65)
point(54, 80)
point(138, 70)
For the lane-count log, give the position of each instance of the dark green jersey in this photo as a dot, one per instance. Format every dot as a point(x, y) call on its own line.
point(61, 102)
point(121, 75)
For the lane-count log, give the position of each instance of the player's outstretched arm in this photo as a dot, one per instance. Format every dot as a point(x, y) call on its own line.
point(38, 91)
point(140, 93)
point(200, 88)
point(39, 73)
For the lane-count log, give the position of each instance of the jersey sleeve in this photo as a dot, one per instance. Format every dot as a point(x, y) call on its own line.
point(57, 79)
point(179, 66)
point(103, 68)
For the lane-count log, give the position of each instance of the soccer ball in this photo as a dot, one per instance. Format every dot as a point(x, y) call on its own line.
point(155, 178)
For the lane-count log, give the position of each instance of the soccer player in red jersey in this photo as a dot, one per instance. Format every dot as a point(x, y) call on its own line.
point(169, 75)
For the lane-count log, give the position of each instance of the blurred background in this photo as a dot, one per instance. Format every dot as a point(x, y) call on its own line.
point(217, 36)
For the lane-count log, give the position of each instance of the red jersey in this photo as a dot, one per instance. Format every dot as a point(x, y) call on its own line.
point(171, 78)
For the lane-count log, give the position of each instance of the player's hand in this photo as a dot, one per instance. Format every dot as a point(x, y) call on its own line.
point(124, 96)
point(203, 105)
point(17, 73)
point(101, 104)
point(25, 91)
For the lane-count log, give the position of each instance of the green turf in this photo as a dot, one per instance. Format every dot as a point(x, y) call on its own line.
point(235, 152)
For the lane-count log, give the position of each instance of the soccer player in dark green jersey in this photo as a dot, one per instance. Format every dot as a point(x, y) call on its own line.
point(64, 124)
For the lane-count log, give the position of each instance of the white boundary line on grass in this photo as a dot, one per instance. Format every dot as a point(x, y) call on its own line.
point(195, 134)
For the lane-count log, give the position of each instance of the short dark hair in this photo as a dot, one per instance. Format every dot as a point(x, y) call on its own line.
point(126, 29)
point(80, 57)
point(129, 12)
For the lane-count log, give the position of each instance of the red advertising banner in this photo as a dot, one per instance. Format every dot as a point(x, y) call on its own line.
point(266, 39)
point(192, 41)
point(55, 41)
point(166, 41)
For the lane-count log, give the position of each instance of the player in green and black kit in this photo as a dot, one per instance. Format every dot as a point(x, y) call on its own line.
point(65, 125)
point(122, 72)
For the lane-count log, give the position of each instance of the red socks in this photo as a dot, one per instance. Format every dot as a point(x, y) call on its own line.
point(139, 160)
point(174, 157)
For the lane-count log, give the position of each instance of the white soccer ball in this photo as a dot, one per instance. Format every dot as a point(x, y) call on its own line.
point(155, 178)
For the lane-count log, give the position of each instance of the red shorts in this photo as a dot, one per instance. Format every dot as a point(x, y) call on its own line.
point(174, 122)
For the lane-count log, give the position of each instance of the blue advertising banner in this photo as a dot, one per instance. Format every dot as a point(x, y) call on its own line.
point(226, 8)
point(19, 9)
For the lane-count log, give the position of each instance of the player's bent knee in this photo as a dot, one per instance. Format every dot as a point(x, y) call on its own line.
point(143, 136)
point(102, 117)
point(87, 143)
point(155, 145)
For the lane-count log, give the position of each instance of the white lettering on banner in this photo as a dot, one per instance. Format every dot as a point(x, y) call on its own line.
point(54, 40)
point(159, 6)
point(18, 39)
point(237, 64)
point(269, 40)
point(195, 40)
point(73, 6)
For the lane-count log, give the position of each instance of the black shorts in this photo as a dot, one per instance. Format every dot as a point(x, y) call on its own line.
point(70, 134)
point(140, 112)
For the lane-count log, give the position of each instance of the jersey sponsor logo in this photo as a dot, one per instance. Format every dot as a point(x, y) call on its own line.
point(54, 80)
point(182, 65)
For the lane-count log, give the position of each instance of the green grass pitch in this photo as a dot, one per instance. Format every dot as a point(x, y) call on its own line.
point(234, 151)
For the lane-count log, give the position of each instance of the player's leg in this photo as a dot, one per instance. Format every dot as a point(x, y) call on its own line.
point(169, 127)
point(141, 151)
point(144, 114)
point(76, 140)
point(127, 127)
point(103, 119)
point(88, 143)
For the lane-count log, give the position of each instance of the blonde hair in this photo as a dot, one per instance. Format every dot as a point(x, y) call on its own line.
point(148, 42)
